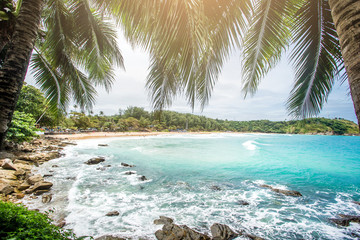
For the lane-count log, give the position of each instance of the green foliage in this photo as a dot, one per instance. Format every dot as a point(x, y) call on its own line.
point(32, 101)
point(22, 128)
point(17, 222)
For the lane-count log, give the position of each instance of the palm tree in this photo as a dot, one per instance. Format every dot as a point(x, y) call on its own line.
point(74, 51)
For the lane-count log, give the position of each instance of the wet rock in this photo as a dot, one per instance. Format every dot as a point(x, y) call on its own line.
point(242, 202)
point(48, 175)
point(101, 168)
point(19, 195)
point(65, 143)
point(61, 224)
point(253, 237)
point(282, 191)
point(6, 189)
point(34, 179)
point(71, 178)
point(109, 237)
point(345, 220)
point(102, 145)
point(143, 178)
point(127, 165)
point(129, 173)
point(46, 198)
point(222, 232)
point(95, 160)
point(163, 220)
point(42, 186)
point(8, 164)
point(112, 213)
point(176, 232)
point(23, 186)
point(215, 188)
point(358, 203)
point(55, 166)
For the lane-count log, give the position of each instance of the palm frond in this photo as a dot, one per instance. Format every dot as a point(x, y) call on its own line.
point(316, 58)
point(265, 41)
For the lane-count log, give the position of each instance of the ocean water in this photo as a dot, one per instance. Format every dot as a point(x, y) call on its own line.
point(199, 180)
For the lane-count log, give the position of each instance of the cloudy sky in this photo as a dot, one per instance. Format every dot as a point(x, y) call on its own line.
point(226, 102)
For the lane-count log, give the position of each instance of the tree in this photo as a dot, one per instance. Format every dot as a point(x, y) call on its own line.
point(75, 49)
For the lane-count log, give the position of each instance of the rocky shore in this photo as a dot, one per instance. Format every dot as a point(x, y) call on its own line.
point(16, 163)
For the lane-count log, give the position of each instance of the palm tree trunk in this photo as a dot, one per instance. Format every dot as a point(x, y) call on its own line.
point(346, 16)
point(14, 68)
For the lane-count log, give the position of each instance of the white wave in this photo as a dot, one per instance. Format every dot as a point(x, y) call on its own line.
point(250, 145)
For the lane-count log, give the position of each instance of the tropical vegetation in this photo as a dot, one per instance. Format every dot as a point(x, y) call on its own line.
point(188, 42)
point(17, 222)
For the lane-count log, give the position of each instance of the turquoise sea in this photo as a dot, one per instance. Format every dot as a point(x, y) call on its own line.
point(199, 180)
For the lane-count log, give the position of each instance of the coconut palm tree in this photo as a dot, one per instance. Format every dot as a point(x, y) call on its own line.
point(74, 50)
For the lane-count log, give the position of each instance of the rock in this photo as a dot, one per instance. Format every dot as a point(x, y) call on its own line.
point(20, 173)
point(41, 192)
point(61, 224)
point(242, 202)
point(4, 154)
point(129, 173)
point(127, 165)
point(48, 175)
point(46, 198)
point(222, 232)
point(176, 232)
point(358, 203)
point(215, 188)
point(54, 166)
point(8, 164)
point(102, 145)
point(95, 160)
point(112, 213)
point(101, 168)
point(6, 189)
point(23, 186)
point(109, 237)
point(345, 220)
point(253, 237)
point(143, 178)
point(68, 143)
point(282, 191)
point(42, 186)
point(163, 220)
point(7, 175)
point(34, 179)
point(19, 195)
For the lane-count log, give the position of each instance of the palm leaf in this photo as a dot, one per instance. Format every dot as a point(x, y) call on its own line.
point(316, 58)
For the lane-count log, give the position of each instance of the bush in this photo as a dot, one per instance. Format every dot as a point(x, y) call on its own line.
point(17, 222)
point(22, 128)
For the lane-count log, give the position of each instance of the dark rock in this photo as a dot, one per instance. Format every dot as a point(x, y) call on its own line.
point(252, 236)
point(129, 173)
point(215, 188)
point(48, 175)
point(46, 198)
point(143, 178)
point(8, 164)
point(19, 195)
point(358, 203)
point(107, 165)
point(345, 220)
point(242, 202)
point(163, 220)
point(71, 178)
point(285, 192)
point(6, 189)
point(102, 145)
point(127, 165)
point(54, 166)
point(113, 213)
point(222, 232)
point(95, 160)
point(176, 232)
point(101, 168)
point(109, 237)
point(40, 192)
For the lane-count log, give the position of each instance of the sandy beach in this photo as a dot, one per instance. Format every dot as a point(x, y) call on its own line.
point(92, 135)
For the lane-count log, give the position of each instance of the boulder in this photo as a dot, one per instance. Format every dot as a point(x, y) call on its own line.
point(20, 173)
point(345, 220)
point(96, 160)
point(42, 186)
point(163, 220)
point(40, 192)
point(176, 232)
point(8, 164)
point(19, 195)
point(34, 179)
point(242, 202)
point(215, 188)
point(143, 178)
point(129, 173)
point(127, 165)
point(46, 198)
point(109, 237)
point(222, 232)
point(7, 175)
point(112, 213)
point(102, 145)
point(23, 186)
point(6, 189)
point(282, 191)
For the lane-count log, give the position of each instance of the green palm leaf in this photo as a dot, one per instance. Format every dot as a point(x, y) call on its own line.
point(316, 58)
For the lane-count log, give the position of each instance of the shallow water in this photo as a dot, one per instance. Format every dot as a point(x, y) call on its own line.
point(184, 171)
